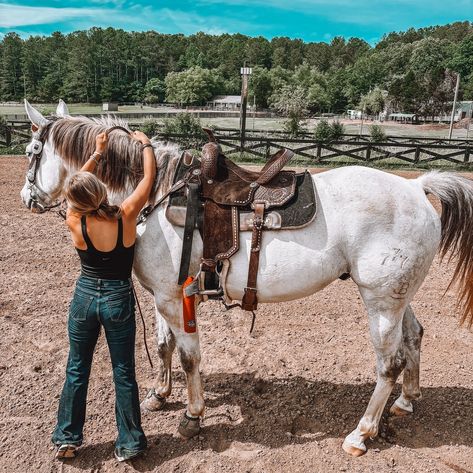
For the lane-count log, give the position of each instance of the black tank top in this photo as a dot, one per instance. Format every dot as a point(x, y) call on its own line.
point(115, 264)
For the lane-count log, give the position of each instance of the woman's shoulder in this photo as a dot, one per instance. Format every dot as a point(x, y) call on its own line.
point(72, 218)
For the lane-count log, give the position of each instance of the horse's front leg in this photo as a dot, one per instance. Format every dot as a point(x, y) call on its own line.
point(188, 347)
point(189, 351)
point(156, 398)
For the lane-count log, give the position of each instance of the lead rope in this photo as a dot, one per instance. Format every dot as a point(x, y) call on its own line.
point(144, 325)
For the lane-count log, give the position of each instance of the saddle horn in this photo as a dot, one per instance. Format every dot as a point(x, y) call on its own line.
point(210, 134)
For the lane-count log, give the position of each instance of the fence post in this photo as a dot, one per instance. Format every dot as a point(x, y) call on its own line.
point(466, 158)
point(368, 152)
point(7, 136)
point(268, 150)
point(417, 154)
point(319, 151)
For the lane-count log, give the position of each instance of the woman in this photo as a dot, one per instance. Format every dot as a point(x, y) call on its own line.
point(104, 236)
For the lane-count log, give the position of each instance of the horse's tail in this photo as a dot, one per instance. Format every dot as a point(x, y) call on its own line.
point(456, 195)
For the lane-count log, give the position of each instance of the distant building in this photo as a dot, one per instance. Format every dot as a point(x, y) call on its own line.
point(403, 117)
point(354, 114)
point(225, 102)
point(464, 109)
point(110, 107)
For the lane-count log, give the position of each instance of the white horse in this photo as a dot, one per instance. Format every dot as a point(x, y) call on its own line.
point(378, 227)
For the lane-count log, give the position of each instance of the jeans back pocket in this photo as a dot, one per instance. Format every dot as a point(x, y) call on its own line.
point(118, 306)
point(80, 306)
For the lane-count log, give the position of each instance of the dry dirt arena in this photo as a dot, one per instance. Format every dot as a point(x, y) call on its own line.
point(280, 400)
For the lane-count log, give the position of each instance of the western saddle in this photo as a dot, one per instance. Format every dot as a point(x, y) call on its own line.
point(225, 190)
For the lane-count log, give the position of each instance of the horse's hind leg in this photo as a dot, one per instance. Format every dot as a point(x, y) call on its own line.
point(156, 398)
point(385, 320)
point(412, 332)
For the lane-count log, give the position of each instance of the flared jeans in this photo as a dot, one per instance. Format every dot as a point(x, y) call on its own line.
point(111, 304)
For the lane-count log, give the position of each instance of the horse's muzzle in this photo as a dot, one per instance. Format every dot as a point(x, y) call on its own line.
point(35, 206)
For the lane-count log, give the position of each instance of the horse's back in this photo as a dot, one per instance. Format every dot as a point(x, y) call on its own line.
point(360, 211)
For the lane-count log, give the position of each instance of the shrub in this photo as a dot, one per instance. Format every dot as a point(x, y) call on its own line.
point(293, 126)
point(151, 127)
point(338, 130)
point(184, 124)
point(323, 131)
point(377, 133)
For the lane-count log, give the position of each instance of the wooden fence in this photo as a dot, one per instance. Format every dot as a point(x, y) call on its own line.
point(349, 148)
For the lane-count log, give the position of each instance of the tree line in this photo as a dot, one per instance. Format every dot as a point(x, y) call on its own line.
point(414, 71)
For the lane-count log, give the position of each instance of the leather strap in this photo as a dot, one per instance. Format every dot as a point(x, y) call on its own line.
point(250, 299)
point(274, 165)
point(189, 227)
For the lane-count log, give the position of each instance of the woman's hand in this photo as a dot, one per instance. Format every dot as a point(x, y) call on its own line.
point(101, 143)
point(141, 137)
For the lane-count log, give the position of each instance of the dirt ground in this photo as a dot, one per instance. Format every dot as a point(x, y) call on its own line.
point(279, 400)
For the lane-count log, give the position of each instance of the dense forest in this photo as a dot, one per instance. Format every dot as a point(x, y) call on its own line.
point(413, 70)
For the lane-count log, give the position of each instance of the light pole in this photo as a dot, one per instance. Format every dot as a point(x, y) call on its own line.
point(457, 86)
point(245, 72)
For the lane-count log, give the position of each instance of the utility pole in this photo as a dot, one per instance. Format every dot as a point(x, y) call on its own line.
point(457, 86)
point(470, 114)
point(245, 72)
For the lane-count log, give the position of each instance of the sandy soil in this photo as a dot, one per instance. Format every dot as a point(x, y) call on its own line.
point(279, 400)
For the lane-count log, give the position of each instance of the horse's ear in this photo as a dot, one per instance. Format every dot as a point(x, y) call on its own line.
point(36, 117)
point(62, 110)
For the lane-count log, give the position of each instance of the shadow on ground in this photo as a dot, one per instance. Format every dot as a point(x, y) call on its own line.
point(295, 410)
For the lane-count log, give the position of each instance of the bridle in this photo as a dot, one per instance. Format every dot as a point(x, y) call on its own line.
point(34, 155)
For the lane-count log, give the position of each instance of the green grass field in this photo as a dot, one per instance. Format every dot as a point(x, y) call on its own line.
point(353, 127)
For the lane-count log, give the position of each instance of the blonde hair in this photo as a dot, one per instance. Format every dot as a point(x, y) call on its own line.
point(86, 194)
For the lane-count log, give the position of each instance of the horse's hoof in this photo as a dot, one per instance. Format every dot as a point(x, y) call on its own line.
point(152, 402)
point(399, 409)
point(189, 427)
point(353, 451)
point(398, 412)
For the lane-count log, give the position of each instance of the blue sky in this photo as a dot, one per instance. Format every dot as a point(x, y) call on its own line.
point(311, 20)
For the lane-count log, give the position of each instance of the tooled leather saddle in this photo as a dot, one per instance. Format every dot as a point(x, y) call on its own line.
point(222, 199)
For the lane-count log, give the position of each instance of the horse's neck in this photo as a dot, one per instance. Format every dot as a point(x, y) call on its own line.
point(116, 198)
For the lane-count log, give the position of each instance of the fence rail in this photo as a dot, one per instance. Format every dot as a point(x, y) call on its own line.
point(353, 150)
point(349, 148)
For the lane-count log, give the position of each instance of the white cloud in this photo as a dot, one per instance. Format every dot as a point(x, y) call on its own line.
point(189, 22)
point(133, 16)
point(19, 15)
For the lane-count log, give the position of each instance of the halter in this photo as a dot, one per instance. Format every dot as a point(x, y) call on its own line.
point(35, 155)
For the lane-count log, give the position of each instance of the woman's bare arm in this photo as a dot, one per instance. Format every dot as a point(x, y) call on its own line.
point(132, 205)
point(100, 146)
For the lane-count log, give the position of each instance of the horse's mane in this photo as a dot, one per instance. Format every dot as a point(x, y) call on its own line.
point(121, 168)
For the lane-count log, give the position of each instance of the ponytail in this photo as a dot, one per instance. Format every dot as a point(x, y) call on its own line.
point(105, 210)
point(87, 195)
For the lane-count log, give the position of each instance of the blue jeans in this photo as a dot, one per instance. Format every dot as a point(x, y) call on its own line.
point(110, 303)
